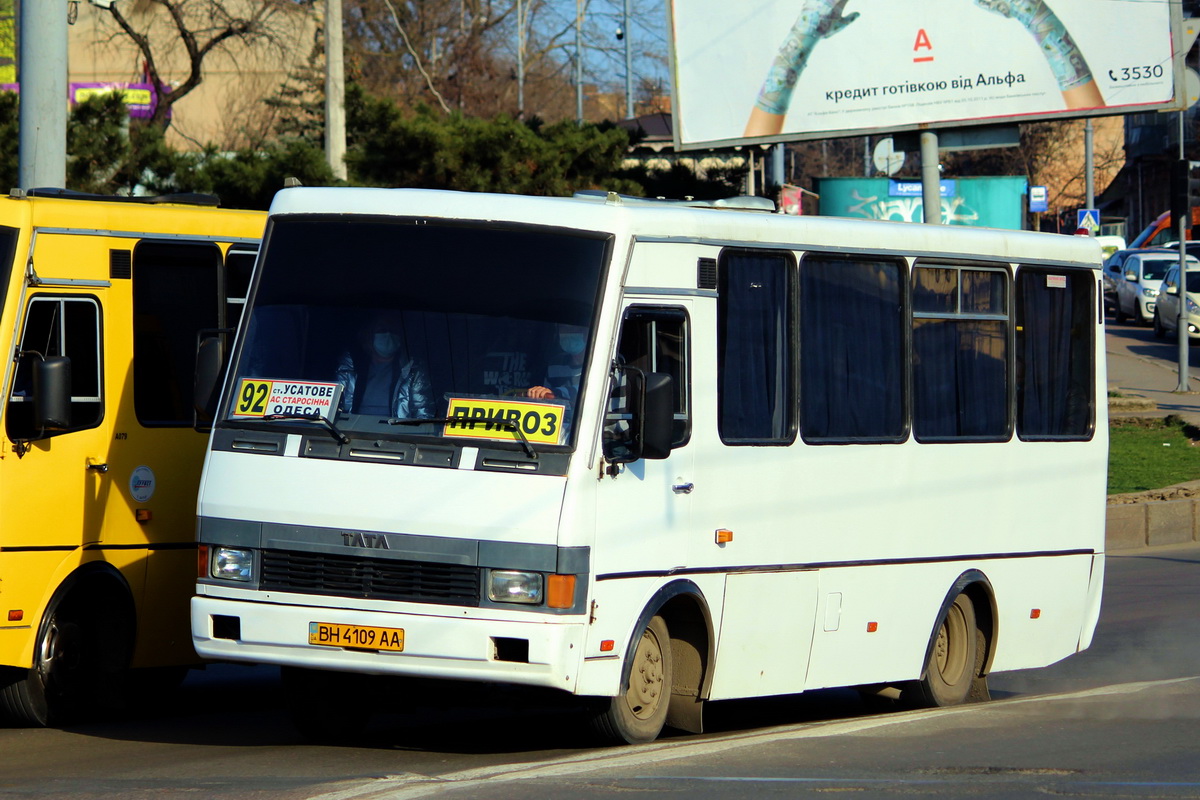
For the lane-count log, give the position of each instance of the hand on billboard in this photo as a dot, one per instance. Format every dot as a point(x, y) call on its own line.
point(819, 19)
point(1064, 57)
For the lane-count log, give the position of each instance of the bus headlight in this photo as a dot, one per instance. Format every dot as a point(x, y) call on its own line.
point(232, 564)
point(510, 586)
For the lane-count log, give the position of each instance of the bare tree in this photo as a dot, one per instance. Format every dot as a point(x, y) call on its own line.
point(175, 37)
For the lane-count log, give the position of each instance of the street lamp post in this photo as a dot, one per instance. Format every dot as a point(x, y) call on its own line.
point(579, 61)
point(42, 117)
point(335, 90)
point(520, 60)
point(628, 66)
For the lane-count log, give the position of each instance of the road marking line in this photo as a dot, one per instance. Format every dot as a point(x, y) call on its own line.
point(411, 785)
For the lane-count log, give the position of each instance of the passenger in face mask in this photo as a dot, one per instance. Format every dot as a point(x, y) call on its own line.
point(564, 373)
point(379, 377)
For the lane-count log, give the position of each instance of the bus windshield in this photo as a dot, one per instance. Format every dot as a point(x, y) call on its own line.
point(406, 320)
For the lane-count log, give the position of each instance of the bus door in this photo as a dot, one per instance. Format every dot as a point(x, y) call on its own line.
point(60, 475)
point(645, 506)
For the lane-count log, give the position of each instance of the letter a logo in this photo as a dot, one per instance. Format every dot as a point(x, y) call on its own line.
point(922, 43)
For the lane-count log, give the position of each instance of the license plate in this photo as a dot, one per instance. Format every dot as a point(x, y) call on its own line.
point(358, 637)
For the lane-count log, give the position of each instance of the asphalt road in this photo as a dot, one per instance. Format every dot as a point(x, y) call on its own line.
point(1120, 720)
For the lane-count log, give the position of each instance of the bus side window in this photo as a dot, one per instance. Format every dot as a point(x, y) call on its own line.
point(756, 401)
point(960, 353)
point(653, 339)
point(59, 326)
point(1056, 323)
point(176, 294)
point(239, 268)
point(852, 356)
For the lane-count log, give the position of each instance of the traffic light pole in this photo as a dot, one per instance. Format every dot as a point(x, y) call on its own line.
point(1181, 323)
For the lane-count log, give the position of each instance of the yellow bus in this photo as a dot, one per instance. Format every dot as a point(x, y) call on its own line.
point(104, 300)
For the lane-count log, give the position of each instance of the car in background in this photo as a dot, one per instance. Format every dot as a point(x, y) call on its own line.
point(1166, 309)
point(1112, 274)
point(1192, 248)
point(1137, 290)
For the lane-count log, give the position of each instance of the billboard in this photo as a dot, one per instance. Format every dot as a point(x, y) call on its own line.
point(996, 202)
point(784, 70)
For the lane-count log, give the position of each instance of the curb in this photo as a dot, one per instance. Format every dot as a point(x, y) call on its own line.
point(1132, 526)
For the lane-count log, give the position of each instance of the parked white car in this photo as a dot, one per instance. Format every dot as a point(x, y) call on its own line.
point(1166, 310)
point(1137, 294)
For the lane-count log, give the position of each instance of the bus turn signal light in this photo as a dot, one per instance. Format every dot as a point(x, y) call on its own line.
point(1035, 613)
point(15, 615)
point(560, 591)
point(202, 561)
point(724, 535)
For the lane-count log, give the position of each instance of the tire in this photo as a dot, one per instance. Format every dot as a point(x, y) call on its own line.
point(638, 714)
point(1159, 331)
point(327, 707)
point(954, 658)
point(54, 690)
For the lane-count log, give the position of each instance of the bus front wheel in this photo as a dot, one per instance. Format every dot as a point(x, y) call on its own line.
point(55, 687)
point(953, 659)
point(638, 714)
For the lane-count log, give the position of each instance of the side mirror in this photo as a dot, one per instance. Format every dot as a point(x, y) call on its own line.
point(1131, 276)
point(52, 393)
point(210, 367)
point(643, 428)
point(1172, 290)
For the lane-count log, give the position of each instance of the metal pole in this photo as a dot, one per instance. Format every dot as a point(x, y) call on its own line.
point(1181, 321)
point(1089, 165)
point(579, 61)
point(777, 157)
point(42, 72)
point(628, 67)
point(931, 179)
point(520, 61)
point(335, 91)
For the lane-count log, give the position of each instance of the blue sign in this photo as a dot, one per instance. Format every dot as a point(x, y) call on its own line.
point(1089, 219)
point(913, 188)
point(1038, 199)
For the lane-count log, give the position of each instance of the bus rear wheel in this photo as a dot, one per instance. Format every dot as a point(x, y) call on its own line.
point(953, 660)
point(638, 714)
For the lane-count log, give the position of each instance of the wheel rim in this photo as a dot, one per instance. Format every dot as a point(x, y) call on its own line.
point(58, 655)
point(950, 649)
point(646, 677)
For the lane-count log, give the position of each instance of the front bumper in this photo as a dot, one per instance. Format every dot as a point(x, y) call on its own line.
point(543, 652)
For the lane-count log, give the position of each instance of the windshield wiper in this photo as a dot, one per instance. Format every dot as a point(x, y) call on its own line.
point(329, 426)
point(502, 424)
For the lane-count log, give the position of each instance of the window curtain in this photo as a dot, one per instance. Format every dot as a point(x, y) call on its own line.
point(1054, 368)
point(754, 373)
point(851, 350)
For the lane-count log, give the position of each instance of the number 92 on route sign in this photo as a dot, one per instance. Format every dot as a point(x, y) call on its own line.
point(262, 397)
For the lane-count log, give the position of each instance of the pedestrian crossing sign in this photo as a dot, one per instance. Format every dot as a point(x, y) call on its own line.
point(1089, 219)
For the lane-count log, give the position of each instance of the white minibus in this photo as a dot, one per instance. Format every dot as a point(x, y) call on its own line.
point(651, 453)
